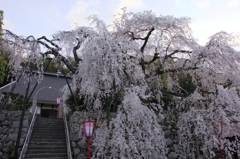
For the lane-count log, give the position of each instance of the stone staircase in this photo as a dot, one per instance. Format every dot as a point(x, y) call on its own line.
point(47, 140)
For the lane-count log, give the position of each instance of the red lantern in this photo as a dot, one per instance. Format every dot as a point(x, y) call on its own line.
point(58, 100)
point(88, 127)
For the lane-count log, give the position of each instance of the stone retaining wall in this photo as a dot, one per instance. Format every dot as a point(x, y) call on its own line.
point(171, 141)
point(9, 125)
point(79, 145)
point(77, 139)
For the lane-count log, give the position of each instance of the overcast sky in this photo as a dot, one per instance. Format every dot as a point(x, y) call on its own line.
point(45, 17)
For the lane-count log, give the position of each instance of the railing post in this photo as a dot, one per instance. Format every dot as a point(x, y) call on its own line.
point(66, 131)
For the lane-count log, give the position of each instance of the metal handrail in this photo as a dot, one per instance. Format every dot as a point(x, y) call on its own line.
point(25, 145)
point(67, 135)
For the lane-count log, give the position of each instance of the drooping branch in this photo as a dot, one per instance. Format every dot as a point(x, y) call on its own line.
point(51, 42)
point(174, 52)
point(179, 51)
point(46, 45)
point(156, 56)
point(55, 52)
point(133, 37)
point(160, 71)
point(67, 63)
point(61, 58)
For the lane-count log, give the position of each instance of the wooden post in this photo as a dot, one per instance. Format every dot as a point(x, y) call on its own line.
point(221, 151)
point(89, 153)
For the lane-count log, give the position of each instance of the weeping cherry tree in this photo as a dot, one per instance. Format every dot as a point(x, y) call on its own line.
point(128, 67)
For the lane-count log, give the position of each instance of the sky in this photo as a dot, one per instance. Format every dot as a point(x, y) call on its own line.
point(46, 17)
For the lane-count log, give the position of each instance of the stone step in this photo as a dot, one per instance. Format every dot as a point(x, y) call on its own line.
point(47, 124)
point(47, 140)
point(53, 135)
point(50, 151)
point(46, 155)
point(47, 133)
point(48, 121)
point(50, 125)
point(58, 125)
point(47, 158)
point(47, 147)
point(45, 144)
point(48, 137)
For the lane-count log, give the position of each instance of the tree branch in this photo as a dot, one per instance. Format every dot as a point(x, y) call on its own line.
point(63, 59)
point(174, 52)
point(55, 52)
point(155, 57)
point(146, 40)
point(51, 42)
point(159, 72)
point(77, 59)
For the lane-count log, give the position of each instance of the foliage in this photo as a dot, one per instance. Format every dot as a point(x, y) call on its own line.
point(141, 65)
point(6, 71)
point(1, 23)
point(185, 82)
point(3, 64)
point(71, 103)
point(15, 103)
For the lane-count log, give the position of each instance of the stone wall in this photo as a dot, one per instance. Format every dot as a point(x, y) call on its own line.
point(9, 124)
point(170, 130)
point(171, 137)
point(79, 144)
point(77, 139)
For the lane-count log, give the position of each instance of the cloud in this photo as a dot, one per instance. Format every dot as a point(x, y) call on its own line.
point(236, 41)
point(8, 25)
point(177, 2)
point(203, 3)
point(233, 3)
point(237, 38)
point(130, 4)
point(80, 11)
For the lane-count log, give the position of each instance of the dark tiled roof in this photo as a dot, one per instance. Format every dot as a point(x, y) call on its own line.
point(43, 91)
